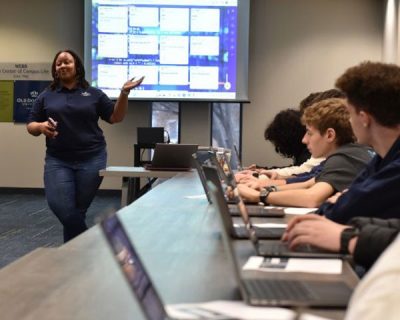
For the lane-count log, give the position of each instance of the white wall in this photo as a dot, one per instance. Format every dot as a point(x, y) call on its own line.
point(33, 31)
point(296, 47)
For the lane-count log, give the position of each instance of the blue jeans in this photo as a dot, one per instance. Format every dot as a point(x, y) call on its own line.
point(70, 187)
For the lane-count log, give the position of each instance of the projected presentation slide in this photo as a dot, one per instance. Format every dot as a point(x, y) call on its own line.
point(186, 49)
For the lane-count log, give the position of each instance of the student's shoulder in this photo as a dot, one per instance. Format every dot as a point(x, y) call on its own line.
point(353, 151)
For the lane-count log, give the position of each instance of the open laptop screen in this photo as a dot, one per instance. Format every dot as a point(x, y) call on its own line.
point(133, 269)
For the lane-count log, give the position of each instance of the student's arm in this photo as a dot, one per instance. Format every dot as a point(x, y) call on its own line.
point(372, 241)
point(299, 185)
point(309, 198)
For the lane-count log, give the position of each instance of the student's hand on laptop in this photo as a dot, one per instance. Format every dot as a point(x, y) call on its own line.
point(270, 174)
point(248, 194)
point(253, 184)
point(315, 230)
point(247, 179)
point(239, 176)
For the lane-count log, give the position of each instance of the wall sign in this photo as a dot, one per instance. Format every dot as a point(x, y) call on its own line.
point(20, 84)
point(25, 94)
point(25, 71)
point(6, 100)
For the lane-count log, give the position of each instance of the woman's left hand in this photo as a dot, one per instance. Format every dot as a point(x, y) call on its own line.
point(132, 83)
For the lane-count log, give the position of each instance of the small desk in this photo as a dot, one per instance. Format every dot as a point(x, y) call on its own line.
point(130, 186)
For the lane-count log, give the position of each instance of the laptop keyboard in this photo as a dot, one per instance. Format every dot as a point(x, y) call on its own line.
point(278, 290)
point(262, 233)
point(272, 233)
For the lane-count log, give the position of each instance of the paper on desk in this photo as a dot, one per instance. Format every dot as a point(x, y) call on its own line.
point(306, 316)
point(227, 310)
point(294, 210)
point(197, 196)
point(328, 266)
point(265, 225)
point(270, 225)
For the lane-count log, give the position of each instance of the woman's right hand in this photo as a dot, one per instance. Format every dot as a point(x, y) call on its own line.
point(48, 129)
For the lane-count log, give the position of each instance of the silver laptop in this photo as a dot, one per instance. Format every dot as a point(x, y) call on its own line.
point(239, 162)
point(200, 157)
point(172, 157)
point(271, 290)
point(208, 158)
point(270, 248)
point(238, 229)
point(139, 280)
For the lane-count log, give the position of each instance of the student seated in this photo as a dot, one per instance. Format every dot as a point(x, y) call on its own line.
point(329, 135)
point(373, 100)
point(286, 132)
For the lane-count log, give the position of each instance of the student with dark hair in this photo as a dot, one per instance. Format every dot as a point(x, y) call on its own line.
point(285, 133)
point(280, 135)
point(329, 135)
point(319, 96)
point(67, 113)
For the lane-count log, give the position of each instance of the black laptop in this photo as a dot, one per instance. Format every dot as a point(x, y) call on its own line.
point(172, 157)
point(273, 290)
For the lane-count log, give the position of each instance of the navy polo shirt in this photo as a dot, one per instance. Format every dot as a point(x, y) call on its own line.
point(374, 193)
point(77, 112)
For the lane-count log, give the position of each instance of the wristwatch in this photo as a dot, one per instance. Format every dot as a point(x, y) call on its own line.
point(264, 193)
point(345, 237)
point(272, 188)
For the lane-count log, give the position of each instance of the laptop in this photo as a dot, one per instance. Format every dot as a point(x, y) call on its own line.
point(239, 230)
point(208, 158)
point(139, 280)
point(200, 157)
point(287, 291)
point(239, 163)
point(172, 157)
point(270, 248)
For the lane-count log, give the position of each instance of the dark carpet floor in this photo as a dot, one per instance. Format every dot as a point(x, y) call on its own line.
point(27, 223)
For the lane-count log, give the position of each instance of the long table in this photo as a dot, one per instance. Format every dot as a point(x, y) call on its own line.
point(177, 237)
point(131, 179)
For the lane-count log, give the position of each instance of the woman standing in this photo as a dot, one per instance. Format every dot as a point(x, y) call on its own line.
point(67, 113)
